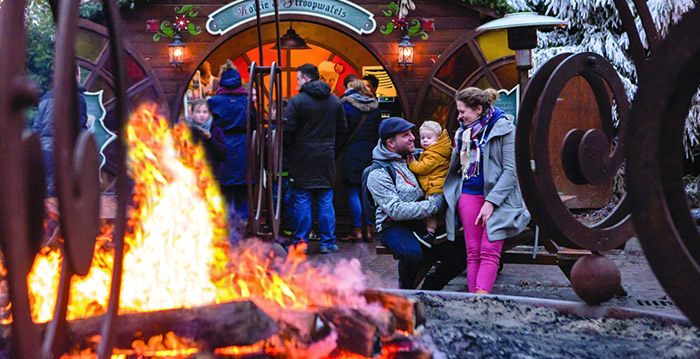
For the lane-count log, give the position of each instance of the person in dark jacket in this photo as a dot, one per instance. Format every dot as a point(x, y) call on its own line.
point(229, 109)
point(315, 120)
point(358, 101)
point(205, 131)
point(43, 126)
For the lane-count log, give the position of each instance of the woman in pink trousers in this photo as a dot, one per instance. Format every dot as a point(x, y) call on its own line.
point(481, 187)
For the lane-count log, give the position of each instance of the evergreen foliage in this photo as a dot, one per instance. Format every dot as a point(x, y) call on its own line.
point(499, 6)
point(596, 26)
point(41, 38)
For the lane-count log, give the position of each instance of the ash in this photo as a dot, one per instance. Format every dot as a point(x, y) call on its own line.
point(483, 327)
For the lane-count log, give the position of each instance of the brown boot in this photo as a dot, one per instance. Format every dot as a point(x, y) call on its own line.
point(355, 235)
point(367, 235)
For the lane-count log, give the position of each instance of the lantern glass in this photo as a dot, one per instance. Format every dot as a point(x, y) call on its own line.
point(176, 52)
point(405, 56)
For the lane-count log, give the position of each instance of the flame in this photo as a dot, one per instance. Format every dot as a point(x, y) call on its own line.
point(177, 253)
point(170, 254)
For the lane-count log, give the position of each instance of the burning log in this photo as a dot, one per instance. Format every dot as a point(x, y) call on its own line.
point(358, 331)
point(356, 334)
point(410, 313)
point(383, 320)
point(235, 323)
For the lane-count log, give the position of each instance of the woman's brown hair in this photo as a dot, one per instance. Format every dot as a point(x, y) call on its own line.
point(474, 96)
point(359, 86)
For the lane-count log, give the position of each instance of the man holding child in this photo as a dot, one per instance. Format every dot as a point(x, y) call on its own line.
point(401, 211)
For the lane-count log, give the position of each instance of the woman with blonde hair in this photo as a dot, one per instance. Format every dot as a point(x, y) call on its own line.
point(481, 187)
point(363, 117)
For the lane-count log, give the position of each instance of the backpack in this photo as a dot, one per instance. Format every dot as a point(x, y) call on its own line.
point(369, 207)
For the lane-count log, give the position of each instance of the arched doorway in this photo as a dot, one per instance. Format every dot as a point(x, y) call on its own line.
point(340, 47)
point(342, 53)
point(476, 59)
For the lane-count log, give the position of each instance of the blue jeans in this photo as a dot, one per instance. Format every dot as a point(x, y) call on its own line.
point(288, 219)
point(303, 200)
point(356, 206)
point(452, 257)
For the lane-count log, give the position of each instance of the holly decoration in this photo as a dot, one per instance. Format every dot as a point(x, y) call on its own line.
point(182, 23)
point(398, 11)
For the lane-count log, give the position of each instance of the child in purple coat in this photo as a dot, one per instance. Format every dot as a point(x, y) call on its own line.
point(205, 131)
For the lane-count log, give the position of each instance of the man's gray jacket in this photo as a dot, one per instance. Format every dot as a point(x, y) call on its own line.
point(400, 199)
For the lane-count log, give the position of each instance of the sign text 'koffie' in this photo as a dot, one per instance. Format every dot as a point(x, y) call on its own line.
point(342, 12)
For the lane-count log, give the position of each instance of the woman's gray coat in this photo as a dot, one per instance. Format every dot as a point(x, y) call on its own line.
point(500, 186)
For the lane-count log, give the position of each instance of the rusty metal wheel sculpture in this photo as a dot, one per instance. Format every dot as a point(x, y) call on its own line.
point(18, 208)
point(274, 150)
point(586, 156)
point(254, 155)
point(264, 142)
point(586, 159)
point(75, 157)
point(661, 215)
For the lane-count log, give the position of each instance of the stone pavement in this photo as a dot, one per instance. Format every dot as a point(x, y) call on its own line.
point(540, 281)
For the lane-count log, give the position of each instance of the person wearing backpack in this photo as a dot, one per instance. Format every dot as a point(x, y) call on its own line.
point(400, 209)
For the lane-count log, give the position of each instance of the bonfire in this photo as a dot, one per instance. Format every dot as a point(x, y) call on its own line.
point(177, 256)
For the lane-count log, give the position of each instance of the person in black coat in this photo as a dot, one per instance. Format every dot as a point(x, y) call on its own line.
point(205, 131)
point(315, 120)
point(358, 101)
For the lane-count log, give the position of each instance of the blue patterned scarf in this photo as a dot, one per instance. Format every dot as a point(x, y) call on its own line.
point(471, 139)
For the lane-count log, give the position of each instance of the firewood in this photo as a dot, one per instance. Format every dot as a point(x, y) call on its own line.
point(383, 319)
point(410, 313)
point(355, 333)
point(235, 323)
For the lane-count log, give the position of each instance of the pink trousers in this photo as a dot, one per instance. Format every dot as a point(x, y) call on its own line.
point(482, 255)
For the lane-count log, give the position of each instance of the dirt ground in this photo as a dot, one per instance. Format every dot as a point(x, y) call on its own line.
point(483, 327)
point(539, 281)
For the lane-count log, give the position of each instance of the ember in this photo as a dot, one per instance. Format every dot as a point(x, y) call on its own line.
point(177, 256)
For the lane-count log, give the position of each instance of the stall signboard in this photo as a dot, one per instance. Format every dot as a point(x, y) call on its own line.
point(509, 102)
point(342, 12)
point(96, 114)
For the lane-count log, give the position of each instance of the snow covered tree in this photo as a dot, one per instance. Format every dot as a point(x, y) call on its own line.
point(595, 26)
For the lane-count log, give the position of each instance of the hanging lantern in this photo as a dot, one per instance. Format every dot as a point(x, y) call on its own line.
point(292, 41)
point(405, 58)
point(176, 52)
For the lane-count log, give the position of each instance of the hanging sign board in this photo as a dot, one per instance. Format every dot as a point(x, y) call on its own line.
point(342, 12)
point(509, 102)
